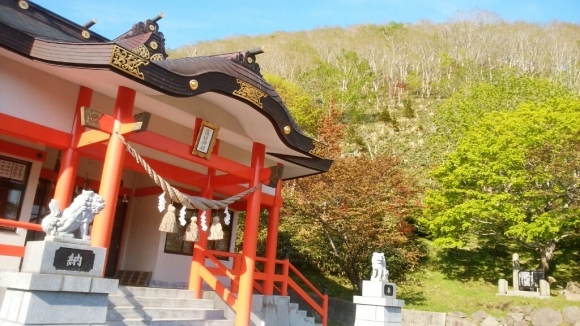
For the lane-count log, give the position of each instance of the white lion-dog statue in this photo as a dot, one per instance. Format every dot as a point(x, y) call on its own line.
point(379, 265)
point(78, 216)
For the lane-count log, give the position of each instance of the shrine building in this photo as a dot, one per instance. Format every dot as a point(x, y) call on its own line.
point(72, 104)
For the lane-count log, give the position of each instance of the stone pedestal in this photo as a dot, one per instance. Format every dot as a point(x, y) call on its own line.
point(60, 284)
point(502, 286)
point(378, 305)
point(544, 288)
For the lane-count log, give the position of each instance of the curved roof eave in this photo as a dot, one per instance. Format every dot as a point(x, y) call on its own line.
point(187, 77)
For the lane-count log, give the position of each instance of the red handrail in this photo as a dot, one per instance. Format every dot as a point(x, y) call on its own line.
point(22, 225)
point(11, 250)
point(206, 273)
point(321, 309)
point(303, 279)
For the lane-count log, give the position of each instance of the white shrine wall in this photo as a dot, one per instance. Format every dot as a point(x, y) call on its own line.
point(36, 96)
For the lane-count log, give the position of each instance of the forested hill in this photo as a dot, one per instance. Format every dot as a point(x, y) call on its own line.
point(387, 79)
point(468, 131)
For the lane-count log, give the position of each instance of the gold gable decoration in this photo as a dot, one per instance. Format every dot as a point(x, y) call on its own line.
point(127, 61)
point(250, 93)
point(90, 118)
point(142, 51)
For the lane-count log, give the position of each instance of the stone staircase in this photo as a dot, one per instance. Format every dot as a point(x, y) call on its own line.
point(136, 306)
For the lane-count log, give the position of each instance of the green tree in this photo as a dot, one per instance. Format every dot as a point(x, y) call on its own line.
point(514, 176)
point(298, 102)
point(346, 84)
point(504, 93)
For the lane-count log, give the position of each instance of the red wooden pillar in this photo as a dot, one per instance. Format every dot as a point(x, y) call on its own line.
point(69, 163)
point(244, 302)
point(112, 170)
point(199, 247)
point(272, 241)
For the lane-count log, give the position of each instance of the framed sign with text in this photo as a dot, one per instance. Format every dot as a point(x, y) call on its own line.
point(13, 179)
point(205, 140)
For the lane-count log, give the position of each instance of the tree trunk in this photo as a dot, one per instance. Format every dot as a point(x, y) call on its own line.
point(546, 255)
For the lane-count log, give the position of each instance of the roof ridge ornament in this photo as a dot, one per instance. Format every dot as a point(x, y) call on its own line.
point(85, 33)
point(248, 59)
point(155, 43)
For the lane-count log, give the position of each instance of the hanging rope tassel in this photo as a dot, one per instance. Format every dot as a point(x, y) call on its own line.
point(215, 230)
point(191, 232)
point(176, 195)
point(168, 224)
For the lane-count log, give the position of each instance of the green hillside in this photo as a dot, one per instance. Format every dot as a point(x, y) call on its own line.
point(472, 127)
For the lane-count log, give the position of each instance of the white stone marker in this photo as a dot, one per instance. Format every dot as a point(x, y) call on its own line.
point(378, 304)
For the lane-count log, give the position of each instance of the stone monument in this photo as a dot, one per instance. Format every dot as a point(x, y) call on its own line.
point(516, 270)
point(524, 280)
point(378, 304)
point(60, 282)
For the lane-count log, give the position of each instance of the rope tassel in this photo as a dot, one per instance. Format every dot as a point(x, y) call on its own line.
point(168, 223)
point(191, 232)
point(215, 231)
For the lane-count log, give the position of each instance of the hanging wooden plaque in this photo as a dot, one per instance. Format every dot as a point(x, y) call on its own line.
point(205, 140)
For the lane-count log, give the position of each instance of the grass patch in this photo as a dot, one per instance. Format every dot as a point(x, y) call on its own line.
point(466, 280)
point(436, 292)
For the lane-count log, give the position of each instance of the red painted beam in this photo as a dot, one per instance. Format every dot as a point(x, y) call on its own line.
point(173, 173)
point(13, 251)
point(156, 191)
point(22, 151)
point(181, 150)
point(103, 133)
point(34, 132)
point(167, 171)
point(47, 173)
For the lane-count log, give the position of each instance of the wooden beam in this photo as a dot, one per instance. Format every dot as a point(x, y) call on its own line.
point(90, 137)
point(22, 151)
point(34, 132)
point(173, 173)
point(156, 191)
point(167, 171)
point(183, 151)
point(102, 126)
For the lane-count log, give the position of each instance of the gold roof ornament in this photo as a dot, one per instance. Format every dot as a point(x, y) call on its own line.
point(250, 93)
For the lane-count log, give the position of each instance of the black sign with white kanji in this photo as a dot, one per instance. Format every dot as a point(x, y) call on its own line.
point(389, 290)
point(70, 259)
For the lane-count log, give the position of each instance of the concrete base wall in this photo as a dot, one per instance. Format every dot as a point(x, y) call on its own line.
point(277, 310)
point(53, 307)
point(418, 317)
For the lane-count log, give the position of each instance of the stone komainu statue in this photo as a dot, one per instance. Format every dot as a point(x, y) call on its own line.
point(75, 220)
point(379, 266)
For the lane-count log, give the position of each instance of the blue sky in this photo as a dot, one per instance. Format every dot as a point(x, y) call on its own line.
point(191, 21)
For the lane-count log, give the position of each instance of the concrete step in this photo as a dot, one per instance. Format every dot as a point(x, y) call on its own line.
point(294, 306)
point(173, 322)
point(299, 317)
point(153, 292)
point(152, 313)
point(158, 302)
